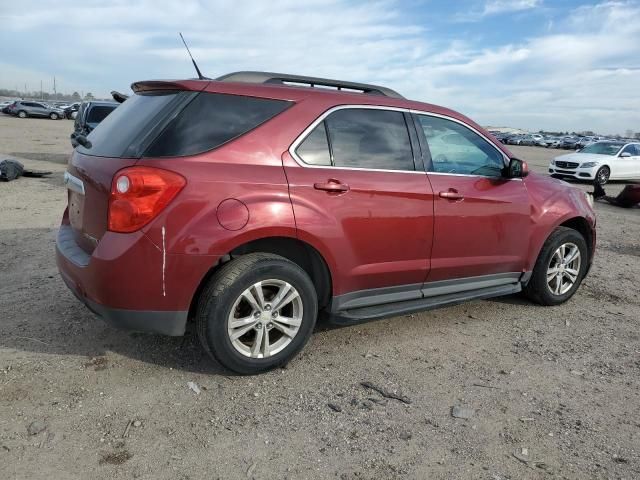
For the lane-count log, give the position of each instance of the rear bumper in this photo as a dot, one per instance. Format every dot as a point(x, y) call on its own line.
point(165, 323)
point(130, 283)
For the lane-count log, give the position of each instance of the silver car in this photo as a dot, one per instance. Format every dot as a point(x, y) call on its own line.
point(24, 109)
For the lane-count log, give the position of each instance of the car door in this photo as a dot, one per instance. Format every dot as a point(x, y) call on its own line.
point(359, 199)
point(625, 167)
point(481, 219)
point(37, 110)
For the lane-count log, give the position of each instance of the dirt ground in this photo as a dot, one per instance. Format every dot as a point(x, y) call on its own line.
point(549, 392)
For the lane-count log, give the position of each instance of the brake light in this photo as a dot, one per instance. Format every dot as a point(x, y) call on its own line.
point(139, 194)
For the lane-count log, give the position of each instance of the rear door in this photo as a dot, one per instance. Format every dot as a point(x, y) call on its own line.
point(38, 110)
point(482, 220)
point(360, 196)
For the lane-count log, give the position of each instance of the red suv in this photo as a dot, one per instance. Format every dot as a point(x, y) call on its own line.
point(254, 202)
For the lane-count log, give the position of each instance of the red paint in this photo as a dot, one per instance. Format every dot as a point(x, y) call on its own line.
point(385, 229)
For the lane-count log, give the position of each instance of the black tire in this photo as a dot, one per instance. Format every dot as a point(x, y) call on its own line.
point(53, 116)
point(22, 114)
point(538, 289)
point(227, 285)
point(602, 175)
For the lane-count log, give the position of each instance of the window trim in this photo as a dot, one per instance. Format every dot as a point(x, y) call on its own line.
point(424, 150)
point(305, 133)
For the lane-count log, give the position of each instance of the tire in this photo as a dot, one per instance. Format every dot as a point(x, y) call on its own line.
point(22, 114)
point(602, 175)
point(73, 115)
point(53, 116)
point(540, 287)
point(223, 299)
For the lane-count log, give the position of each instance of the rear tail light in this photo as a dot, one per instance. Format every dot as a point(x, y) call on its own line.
point(139, 194)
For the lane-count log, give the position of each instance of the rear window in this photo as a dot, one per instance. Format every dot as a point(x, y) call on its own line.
point(124, 130)
point(210, 120)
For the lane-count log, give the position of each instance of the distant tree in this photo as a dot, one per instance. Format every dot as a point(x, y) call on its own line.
point(89, 96)
point(75, 96)
point(636, 135)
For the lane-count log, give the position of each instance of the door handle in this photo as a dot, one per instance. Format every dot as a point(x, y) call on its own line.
point(332, 185)
point(451, 194)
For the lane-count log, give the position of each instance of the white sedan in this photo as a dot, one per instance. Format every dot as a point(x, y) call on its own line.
point(601, 161)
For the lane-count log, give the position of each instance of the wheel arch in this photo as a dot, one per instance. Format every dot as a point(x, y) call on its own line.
point(299, 252)
point(581, 225)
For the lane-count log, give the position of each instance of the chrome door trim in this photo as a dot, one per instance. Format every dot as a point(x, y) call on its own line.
point(300, 138)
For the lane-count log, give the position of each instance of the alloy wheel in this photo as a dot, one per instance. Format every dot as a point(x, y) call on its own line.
point(564, 268)
point(265, 318)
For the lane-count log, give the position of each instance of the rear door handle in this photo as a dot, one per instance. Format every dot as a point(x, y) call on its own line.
point(332, 185)
point(451, 194)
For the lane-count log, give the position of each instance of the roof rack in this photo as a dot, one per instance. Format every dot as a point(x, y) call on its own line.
point(300, 80)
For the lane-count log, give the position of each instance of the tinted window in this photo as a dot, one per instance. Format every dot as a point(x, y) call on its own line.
point(210, 120)
point(631, 150)
point(127, 123)
point(99, 113)
point(457, 149)
point(314, 150)
point(370, 138)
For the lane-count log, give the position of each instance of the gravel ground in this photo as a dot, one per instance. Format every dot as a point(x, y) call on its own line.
point(545, 392)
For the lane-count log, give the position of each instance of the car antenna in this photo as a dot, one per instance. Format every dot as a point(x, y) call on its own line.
point(200, 76)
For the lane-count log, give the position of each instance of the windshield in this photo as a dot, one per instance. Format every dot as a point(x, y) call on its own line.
point(602, 148)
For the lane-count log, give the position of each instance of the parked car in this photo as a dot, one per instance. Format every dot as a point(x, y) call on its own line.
point(251, 205)
point(89, 115)
point(24, 109)
point(601, 161)
point(569, 143)
point(552, 142)
point(71, 111)
point(584, 141)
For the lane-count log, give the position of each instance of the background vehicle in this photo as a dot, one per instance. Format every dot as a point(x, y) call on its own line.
point(569, 143)
point(226, 199)
point(24, 109)
point(71, 111)
point(601, 161)
point(89, 115)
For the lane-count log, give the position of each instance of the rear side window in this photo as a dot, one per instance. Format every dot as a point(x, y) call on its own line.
point(314, 150)
point(370, 138)
point(210, 120)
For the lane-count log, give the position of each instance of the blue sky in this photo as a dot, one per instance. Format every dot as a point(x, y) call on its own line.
point(536, 64)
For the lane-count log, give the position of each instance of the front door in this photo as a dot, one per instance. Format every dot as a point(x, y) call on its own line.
point(360, 200)
point(482, 220)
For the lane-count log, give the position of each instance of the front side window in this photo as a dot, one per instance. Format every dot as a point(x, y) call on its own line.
point(457, 149)
point(630, 149)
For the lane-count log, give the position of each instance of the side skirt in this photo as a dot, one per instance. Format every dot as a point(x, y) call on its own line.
point(439, 294)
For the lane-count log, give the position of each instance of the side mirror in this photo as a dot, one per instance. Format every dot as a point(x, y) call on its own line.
point(517, 169)
point(625, 155)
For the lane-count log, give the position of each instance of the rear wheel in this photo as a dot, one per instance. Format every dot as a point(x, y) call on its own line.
point(22, 114)
point(256, 313)
point(53, 116)
point(560, 268)
point(602, 176)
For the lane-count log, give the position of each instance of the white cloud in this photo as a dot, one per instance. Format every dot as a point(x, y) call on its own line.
point(495, 7)
point(580, 74)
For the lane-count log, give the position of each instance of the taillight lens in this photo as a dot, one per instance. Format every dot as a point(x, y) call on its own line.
point(139, 194)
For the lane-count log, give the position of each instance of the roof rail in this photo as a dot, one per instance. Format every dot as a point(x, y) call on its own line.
point(300, 80)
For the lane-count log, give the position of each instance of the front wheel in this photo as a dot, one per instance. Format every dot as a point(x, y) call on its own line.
point(256, 313)
point(602, 176)
point(53, 116)
point(560, 268)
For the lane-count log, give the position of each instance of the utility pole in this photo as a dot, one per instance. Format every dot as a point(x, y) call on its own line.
point(55, 94)
point(41, 95)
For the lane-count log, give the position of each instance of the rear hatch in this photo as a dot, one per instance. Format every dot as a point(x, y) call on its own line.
point(118, 142)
